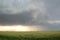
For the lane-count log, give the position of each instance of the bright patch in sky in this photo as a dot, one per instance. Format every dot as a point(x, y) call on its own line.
point(17, 28)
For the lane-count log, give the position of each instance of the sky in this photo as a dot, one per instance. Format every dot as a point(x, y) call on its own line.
point(43, 14)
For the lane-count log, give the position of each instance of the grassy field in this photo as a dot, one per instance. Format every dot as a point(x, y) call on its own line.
point(51, 35)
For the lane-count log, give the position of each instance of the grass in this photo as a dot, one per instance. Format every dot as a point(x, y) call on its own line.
point(47, 35)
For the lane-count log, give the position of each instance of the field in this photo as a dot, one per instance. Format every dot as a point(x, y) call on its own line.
point(47, 35)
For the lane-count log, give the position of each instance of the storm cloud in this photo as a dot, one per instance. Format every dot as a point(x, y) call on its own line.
point(40, 13)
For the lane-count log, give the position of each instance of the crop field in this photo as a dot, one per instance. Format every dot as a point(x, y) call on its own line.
point(43, 35)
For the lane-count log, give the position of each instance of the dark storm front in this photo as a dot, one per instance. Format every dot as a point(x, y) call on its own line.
point(44, 14)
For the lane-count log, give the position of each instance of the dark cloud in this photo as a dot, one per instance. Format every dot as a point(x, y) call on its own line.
point(20, 18)
point(25, 13)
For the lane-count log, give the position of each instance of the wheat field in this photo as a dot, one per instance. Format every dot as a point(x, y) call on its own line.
point(42, 35)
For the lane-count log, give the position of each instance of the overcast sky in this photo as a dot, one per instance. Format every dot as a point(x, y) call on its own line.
point(40, 13)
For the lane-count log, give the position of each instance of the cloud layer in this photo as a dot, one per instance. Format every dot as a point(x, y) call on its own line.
point(40, 13)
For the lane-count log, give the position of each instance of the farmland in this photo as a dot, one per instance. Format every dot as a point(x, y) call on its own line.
point(43, 35)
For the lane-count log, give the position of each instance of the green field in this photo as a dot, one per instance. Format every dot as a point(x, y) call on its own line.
point(51, 35)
